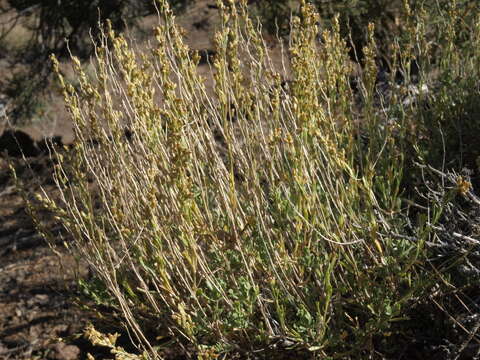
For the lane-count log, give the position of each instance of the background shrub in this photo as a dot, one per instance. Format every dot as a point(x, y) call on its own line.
point(70, 23)
point(60, 28)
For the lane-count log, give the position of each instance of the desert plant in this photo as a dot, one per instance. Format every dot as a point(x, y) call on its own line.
point(270, 215)
point(390, 17)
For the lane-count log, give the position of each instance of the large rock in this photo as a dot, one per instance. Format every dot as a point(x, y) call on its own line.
point(17, 143)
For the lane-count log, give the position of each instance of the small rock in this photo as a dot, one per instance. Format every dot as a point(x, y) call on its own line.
point(41, 299)
point(13, 292)
point(63, 351)
point(60, 329)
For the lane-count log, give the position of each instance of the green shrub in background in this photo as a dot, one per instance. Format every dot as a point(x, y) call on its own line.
point(61, 28)
point(390, 17)
point(70, 22)
point(298, 232)
point(354, 16)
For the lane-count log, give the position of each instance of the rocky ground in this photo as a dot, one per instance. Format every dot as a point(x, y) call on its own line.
point(37, 287)
point(43, 312)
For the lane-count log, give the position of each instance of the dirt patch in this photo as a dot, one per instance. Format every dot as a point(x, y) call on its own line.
point(38, 288)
